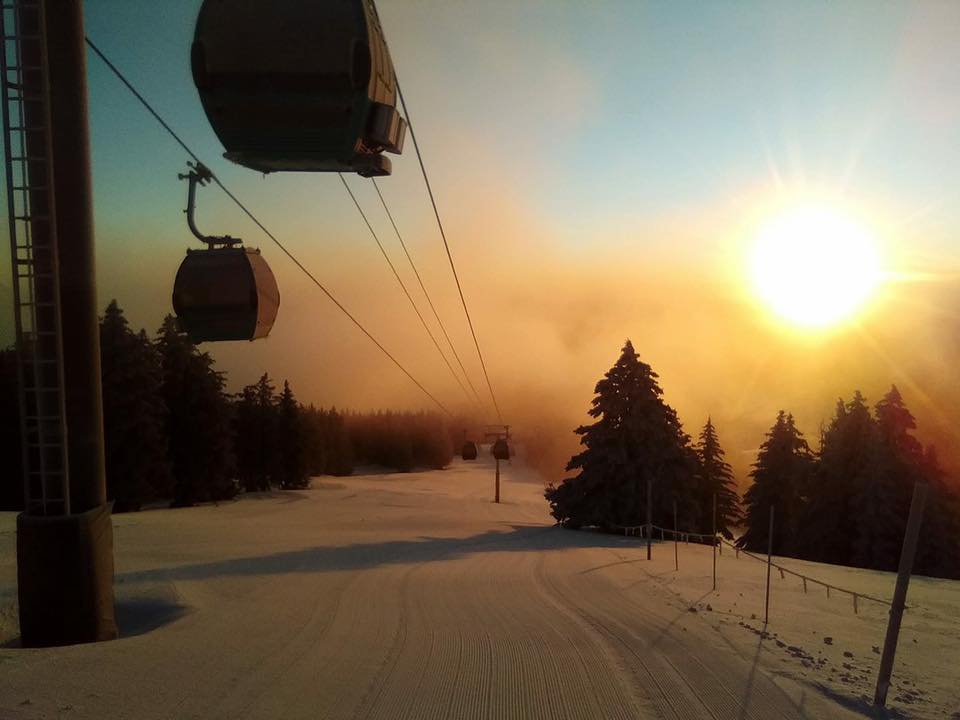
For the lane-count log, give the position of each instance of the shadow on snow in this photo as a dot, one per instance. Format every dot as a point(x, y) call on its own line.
point(370, 555)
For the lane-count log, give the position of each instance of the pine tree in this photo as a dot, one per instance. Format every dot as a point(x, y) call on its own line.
point(432, 444)
point(902, 461)
point(255, 435)
point(245, 430)
point(134, 415)
point(715, 478)
point(846, 468)
point(780, 476)
point(291, 458)
point(885, 501)
point(198, 420)
point(340, 457)
point(316, 447)
point(636, 438)
point(938, 551)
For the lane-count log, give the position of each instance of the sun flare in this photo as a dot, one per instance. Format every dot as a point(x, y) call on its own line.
point(814, 266)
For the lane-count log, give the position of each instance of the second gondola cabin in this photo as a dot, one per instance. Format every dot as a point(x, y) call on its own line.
point(469, 450)
point(500, 450)
point(225, 293)
point(303, 85)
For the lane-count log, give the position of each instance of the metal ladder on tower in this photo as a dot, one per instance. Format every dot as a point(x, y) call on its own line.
point(36, 291)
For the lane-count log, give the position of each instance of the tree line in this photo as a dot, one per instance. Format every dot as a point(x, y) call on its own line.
point(173, 433)
point(847, 503)
point(844, 503)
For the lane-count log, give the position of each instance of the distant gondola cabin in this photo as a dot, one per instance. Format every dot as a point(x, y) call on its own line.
point(469, 450)
point(226, 293)
point(305, 85)
point(501, 450)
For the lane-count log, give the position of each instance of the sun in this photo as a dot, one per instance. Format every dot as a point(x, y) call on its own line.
point(814, 266)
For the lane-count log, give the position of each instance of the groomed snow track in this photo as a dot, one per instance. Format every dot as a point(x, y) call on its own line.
point(402, 597)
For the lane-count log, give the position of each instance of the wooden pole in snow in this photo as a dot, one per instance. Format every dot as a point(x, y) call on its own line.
point(714, 541)
point(907, 554)
point(649, 516)
point(766, 605)
point(496, 496)
point(676, 539)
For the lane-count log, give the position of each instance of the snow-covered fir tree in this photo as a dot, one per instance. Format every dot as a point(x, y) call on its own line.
point(636, 438)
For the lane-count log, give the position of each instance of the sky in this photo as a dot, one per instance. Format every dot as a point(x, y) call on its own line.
point(602, 170)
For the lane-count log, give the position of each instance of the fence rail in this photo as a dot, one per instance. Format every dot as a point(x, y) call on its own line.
point(897, 605)
point(807, 578)
point(684, 536)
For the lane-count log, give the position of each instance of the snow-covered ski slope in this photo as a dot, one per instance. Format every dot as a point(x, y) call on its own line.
point(413, 596)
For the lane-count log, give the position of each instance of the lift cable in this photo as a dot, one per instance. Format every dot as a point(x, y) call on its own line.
point(403, 287)
point(446, 245)
point(424, 289)
point(120, 76)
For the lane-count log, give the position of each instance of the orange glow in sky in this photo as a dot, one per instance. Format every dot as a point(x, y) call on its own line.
point(604, 171)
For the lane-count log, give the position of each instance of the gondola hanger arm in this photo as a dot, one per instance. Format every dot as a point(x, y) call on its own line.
point(200, 175)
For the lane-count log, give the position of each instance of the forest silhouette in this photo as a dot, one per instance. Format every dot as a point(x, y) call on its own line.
point(845, 503)
point(174, 435)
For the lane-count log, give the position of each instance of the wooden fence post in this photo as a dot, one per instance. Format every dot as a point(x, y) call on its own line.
point(676, 540)
point(713, 541)
point(766, 605)
point(649, 516)
point(907, 554)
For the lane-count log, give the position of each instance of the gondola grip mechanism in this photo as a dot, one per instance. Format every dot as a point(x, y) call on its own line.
point(200, 174)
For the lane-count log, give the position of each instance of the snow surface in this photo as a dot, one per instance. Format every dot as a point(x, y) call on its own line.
point(414, 596)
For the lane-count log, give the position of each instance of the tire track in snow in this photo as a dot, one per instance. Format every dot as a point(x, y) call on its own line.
point(671, 700)
point(420, 684)
point(674, 661)
point(403, 638)
point(255, 676)
point(260, 682)
point(478, 644)
point(688, 653)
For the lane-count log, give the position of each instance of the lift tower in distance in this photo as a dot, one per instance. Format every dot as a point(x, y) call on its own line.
point(64, 535)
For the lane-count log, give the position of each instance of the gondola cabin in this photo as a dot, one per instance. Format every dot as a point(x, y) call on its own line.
point(225, 293)
point(469, 450)
point(500, 450)
point(304, 85)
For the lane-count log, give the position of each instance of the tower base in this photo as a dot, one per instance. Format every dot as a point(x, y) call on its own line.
point(65, 578)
